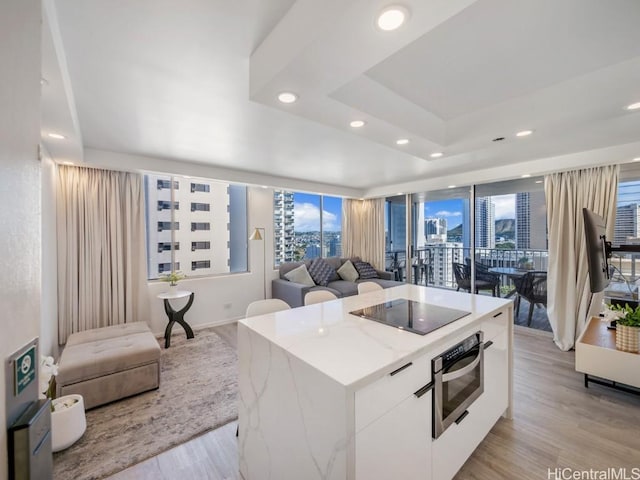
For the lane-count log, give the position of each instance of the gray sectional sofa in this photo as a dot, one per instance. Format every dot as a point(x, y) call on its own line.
point(293, 293)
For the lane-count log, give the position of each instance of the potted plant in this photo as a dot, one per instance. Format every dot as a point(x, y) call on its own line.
point(173, 278)
point(68, 421)
point(627, 328)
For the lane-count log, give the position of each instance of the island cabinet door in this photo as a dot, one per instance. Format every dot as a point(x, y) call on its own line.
point(459, 440)
point(397, 445)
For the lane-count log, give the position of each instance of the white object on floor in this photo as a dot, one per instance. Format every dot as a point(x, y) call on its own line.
point(68, 423)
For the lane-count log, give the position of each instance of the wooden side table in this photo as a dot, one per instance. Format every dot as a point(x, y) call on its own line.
point(597, 356)
point(176, 315)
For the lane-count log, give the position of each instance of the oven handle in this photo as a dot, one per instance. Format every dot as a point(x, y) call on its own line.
point(447, 377)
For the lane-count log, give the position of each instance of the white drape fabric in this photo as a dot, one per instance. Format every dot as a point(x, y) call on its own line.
point(569, 301)
point(363, 230)
point(101, 249)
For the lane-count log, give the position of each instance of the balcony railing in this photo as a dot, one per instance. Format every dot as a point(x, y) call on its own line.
point(433, 265)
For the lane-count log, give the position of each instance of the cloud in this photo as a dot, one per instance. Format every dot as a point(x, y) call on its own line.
point(505, 206)
point(446, 213)
point(307, 218)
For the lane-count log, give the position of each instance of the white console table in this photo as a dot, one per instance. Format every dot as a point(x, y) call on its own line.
point(597, 356)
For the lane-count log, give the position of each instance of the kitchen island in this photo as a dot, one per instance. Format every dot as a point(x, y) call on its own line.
point(329, 395)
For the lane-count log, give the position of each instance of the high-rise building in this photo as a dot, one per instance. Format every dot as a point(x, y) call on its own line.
point(435, 229)
point(181, 214)
point(627, 223)
point(443, 255)
point(531, 221)
point(397, 226)
point(485, 223)
point(284, 238)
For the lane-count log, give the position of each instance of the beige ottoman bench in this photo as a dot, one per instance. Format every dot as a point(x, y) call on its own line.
point(107, 364)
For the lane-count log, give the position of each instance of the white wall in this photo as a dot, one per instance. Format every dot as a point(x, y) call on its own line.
point(224, 298)
point(49, 293)
point(19, 185)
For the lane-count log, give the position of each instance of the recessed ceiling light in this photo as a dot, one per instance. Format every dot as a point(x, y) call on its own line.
point(399, 193)
point(524, 133)
point(436, 154)
point(538, 181)
point(358, 123)
point(57, 136)
point(264, 186)
point(402, 141)
point(392, 17)
point(526, 175)
point(287, 97)
point(451, 186)
point(67, 162)
point(637, 159)
point(634, 106)
point(43, 81)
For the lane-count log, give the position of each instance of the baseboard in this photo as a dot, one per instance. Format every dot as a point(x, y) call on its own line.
point(177, 330)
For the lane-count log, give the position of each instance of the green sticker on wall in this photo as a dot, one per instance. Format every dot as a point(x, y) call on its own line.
point(25, 370)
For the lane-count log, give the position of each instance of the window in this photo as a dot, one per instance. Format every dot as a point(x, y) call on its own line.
point(162, 184)
point(200, 207)
point(306, 226)
point(199, 264)
point(200, 226)
point(201, 246)
point(168, 246)
point(166, 267)
point(200, 187)
point(627, 226)
point(168, 226)
point(214, 226)
point(166, 205)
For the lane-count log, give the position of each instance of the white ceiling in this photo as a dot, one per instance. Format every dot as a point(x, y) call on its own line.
point(195, 81)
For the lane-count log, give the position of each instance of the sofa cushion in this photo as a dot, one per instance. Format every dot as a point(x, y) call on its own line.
point(286, 267)
point(335, 263)
point(300, 275)
point(365, 270)
point(345, 288)
point(321, 272)
point(348, 272)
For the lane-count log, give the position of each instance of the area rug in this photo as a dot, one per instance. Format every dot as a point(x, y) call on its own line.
point(198, 392)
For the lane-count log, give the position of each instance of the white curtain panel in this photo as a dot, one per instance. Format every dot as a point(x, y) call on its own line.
point(102, 277)
point(569, 301)
point(363, 230)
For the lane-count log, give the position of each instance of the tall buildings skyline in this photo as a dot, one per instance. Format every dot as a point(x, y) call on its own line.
point(485, 223)
point(627, 224)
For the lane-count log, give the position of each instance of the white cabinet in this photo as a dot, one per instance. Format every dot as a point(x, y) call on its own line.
point(393, 424)
point(397, 445)
point(457, 443)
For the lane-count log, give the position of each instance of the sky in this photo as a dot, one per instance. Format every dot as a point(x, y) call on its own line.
point(306, 210)
point(452, 209)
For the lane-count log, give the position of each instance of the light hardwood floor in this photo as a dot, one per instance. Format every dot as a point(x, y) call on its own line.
point(557, 424)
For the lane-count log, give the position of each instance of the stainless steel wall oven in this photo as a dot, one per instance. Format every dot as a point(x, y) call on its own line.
point(458, 380)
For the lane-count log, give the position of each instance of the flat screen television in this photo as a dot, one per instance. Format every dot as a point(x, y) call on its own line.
point(598, 250)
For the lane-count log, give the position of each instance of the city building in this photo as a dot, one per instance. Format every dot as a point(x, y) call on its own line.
point(443, 255)
point(627, 223)
point(435, 230)
point(183, 226)
point(531, 220)
point(284, 237)
point(485, 223)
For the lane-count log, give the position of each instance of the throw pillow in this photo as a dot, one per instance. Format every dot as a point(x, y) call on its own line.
point(300, 275)
point(321, 271)
point(348, 272)
point(365, 270)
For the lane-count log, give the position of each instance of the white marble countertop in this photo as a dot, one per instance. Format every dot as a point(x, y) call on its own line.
point(351, 349)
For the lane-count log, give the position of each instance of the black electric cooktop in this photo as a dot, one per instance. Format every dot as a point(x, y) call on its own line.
point(416, 317)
